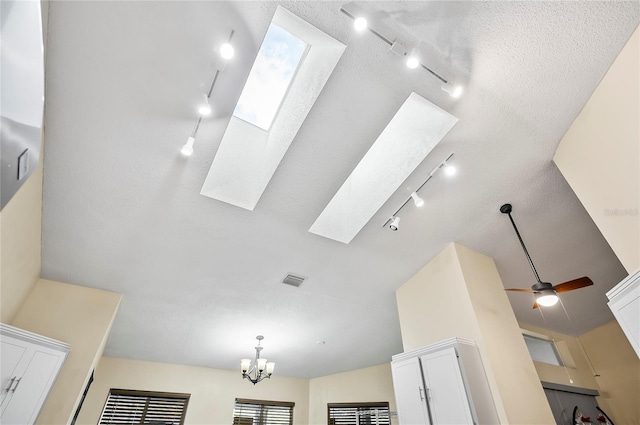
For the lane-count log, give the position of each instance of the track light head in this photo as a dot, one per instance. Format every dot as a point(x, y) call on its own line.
point(417, 199)
point(360, 23)
point(395, 223)
point(412, 61)
point(204, 108)
point(187, 149)
point(454, 91)
point(227, 51)
point(449, 170)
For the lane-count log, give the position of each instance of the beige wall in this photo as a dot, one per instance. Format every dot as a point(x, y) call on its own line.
point(213, 391)
point(460, 294)
point(363, 385)
point(619, 368)
point(20, 240)
point(79, 316)
point(600, 155)
point(573, 356)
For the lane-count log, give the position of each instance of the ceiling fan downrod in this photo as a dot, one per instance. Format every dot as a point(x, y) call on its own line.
point(506, 209)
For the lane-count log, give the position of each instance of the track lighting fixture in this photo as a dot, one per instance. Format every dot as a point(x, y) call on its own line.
point(449, 170)
point(398, 46)
point(204, 107)
point(360, 24)
point(418, 201)
point(412, 61)
point(227, 51)
point(187, 149)
point(394, 220)
point(454, 91)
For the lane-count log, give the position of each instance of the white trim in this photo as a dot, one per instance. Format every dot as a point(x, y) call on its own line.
point(21, 334)
point(447, 343)
point(623, 285)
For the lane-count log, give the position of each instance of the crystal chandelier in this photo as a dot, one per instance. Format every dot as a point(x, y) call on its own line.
point(260, 368)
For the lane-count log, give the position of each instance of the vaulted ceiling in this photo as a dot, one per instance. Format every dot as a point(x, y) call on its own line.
point(200, 277)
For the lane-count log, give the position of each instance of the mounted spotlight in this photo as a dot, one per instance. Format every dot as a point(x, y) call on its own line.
point(412, 60)
point(187, 149)
point(417, 200)
point(205, 108)
point(449, 170)
point(395, 223)
point(454, 91)
point(227, 51)
point(360, 24)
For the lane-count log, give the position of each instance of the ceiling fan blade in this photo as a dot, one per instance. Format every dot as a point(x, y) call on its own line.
point(573, 284)
point(536, 305)
point(520, 290)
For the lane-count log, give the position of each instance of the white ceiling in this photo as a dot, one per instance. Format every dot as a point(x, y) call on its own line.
point(122, 209)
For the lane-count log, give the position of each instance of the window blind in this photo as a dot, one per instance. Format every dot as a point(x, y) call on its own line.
point(262, 412)
point(359, 413)
point(144, 407)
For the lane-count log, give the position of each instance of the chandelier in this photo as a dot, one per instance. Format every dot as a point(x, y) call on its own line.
point(260, 368)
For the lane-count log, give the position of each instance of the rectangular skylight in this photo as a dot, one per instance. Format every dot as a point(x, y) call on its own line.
point(249, 154)
point(270, 77)
point(412, 133)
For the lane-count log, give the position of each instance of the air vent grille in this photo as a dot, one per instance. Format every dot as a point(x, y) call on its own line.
point(293, 280)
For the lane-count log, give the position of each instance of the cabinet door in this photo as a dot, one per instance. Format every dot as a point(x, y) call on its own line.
point(12, 355)
point(448, 402)
point(29, 393)
point(410, 392)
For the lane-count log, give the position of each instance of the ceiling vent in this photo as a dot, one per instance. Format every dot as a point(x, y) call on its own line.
point(293, 280)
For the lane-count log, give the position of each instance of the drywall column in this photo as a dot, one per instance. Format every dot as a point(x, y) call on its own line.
point(79, 316)
point(460, 294)
point(600, 155)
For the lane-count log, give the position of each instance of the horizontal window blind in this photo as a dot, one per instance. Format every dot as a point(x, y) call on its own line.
point(359, 413)
point(262, 412)
point(144, 407)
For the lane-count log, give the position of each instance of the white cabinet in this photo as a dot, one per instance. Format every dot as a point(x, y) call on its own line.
point(624, 302)
point(29, 365)
point(444, 383)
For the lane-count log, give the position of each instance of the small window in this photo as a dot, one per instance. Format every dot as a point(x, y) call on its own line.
point(542, 350)
point(144, 407)
point(270, 77)
point(262, 412)
point(359, 413)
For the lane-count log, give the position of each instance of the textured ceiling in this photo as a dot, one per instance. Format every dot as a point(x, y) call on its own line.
point(122, 209)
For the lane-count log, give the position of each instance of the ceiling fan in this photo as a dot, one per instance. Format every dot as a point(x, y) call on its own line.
point(546, 293)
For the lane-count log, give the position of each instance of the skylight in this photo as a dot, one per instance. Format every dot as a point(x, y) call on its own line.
point(270, 77)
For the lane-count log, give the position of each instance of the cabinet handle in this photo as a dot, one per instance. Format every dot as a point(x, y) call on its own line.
point(10, 384)
point(421, 397)
point(17, 383)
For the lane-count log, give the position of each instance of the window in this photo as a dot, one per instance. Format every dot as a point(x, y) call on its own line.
point(144, 407)
point(262, 412)
point(542, 350)
point(270, 77)
point(359, 413)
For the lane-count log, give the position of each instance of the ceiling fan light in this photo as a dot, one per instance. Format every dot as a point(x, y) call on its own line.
point(547, 298)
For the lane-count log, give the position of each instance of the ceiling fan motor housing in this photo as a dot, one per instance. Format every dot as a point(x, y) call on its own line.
point(541, 286)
